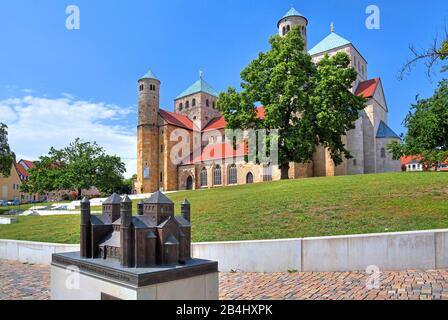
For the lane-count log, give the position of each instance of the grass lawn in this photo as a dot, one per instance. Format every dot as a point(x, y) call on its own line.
point(288, 209)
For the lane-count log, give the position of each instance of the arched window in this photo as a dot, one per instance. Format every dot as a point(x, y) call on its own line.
point(383, 153)
point(141, 87)
point(187, 104)
point(233, 174)
point(288, 28)
point(249, 178)
point(181, 106)
point(267, 172)
point(193, 104)
point(283, 31)
point(217, 179)
point(204, 181)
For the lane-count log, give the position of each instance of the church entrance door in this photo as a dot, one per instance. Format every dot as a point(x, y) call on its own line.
point(189, 183)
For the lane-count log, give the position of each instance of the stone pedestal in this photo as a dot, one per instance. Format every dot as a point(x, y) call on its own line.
point(74, 278)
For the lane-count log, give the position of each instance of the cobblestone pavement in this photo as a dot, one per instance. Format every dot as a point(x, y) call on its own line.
point(25, 281)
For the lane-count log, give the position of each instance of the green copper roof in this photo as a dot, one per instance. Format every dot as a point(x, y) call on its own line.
point(292, 13)
point(198, 86)
point(333, 41)
point(149, 75)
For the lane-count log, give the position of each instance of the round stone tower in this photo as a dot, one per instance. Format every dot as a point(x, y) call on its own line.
point(291, 19)
point(148, 134)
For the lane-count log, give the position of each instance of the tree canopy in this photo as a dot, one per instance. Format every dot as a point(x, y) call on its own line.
point(81, 165)
point(427, 125)
point(309, 104)
point(7, 157)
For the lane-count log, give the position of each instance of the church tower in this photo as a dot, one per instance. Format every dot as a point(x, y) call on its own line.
point(291, 19)
point(148, 134)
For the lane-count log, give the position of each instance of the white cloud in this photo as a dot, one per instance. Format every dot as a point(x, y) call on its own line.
point(38, 123)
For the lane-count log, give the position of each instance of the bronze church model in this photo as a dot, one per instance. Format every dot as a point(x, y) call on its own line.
point(153, 237)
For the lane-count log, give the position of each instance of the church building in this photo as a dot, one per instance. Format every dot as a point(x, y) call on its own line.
point(215, 163)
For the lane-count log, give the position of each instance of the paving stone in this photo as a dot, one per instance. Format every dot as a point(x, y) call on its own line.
point(32, 282)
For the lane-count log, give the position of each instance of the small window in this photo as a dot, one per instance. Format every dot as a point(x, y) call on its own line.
point(181, 106)
point(141, 88)
point(214, 104)
point(161, 176)
point(383, 153)
point(283, 31)
point(161, 148)
point(187, 104)
point(193, 103)
point(207, 103)
point(288, 28)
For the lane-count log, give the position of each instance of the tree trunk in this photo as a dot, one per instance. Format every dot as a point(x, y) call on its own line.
point(79, 194)
point(285, 171)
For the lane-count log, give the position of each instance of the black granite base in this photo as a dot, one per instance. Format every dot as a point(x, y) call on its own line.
point(111, 270)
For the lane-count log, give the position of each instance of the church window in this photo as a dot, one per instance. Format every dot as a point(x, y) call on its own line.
point(383, 153)
point(217, 176)
point(204, 182)
point(233, 174)
point(267, 172)
point(193, 103)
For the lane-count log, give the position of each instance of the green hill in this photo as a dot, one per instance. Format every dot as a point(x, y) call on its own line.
point(288, 209)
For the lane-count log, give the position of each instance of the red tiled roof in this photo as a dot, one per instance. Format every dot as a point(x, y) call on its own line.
point(220, 123)
point(176, 119)
point(217, 152)
point(367, 88)
point(21, 170)
point(29, 164)
point(406, 159)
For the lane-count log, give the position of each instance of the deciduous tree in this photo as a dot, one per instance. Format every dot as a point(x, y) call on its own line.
point(309, 104)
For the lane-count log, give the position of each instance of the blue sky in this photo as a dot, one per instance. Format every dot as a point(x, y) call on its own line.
point(56, 84)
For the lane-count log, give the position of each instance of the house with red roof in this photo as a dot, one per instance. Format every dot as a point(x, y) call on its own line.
point(187, 149)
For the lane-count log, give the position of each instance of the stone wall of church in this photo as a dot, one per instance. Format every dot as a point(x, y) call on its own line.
point(147, 159)
point(355, 144)
point(384, 159)
point(200, 113)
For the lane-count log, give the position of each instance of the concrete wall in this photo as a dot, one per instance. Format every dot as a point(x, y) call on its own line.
point(391, 251)
point(252, 256)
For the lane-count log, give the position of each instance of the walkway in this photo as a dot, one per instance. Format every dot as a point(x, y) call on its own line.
point(32, 282)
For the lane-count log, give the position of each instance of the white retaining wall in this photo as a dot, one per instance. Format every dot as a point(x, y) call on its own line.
point(388, 251)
